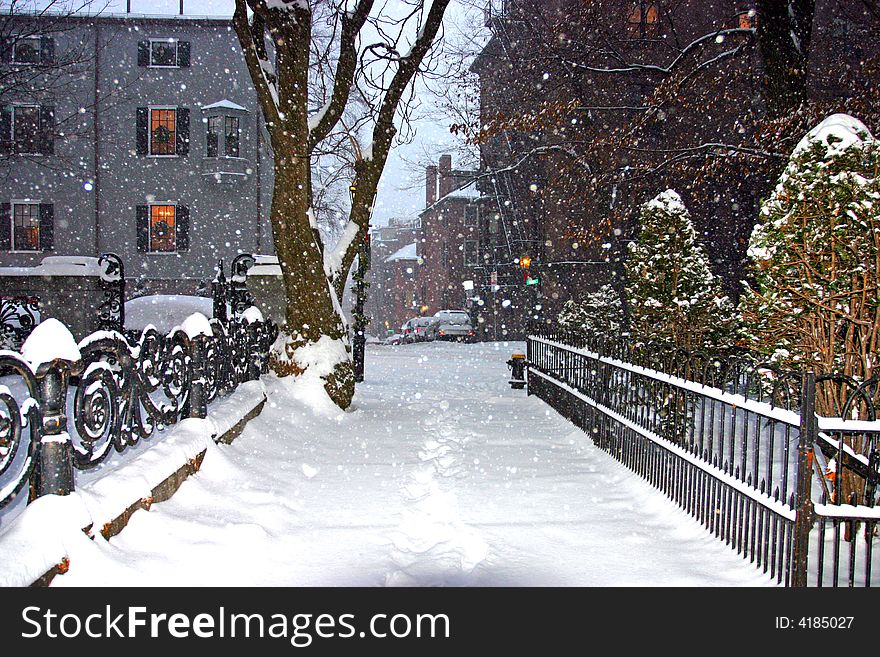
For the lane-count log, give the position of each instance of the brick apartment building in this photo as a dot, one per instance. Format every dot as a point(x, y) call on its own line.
point(566, 187)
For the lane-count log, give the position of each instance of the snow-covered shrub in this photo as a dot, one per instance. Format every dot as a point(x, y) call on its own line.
point(598, 314)
point(813, 302)
point(673, 296)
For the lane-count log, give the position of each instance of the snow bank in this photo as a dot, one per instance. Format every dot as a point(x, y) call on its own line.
point(51, 528)
point(58, 266)
point(252, 315)
point(41, 538)
point(49, 341)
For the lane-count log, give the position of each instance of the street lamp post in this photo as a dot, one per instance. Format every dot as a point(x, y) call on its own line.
point(359, 339)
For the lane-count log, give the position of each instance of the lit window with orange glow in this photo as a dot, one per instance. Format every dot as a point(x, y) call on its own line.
point(644, 20)
point(748, 20)
point(163, 223)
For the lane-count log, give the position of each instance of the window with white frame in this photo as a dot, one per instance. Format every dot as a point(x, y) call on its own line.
point(26, 50)
point(223, 137)
point(471, 215)
point(163, 131)
point(471, 248)
point(163, 53)
point(25, 226)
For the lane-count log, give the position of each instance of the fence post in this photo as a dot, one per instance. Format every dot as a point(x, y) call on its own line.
point(54, 474)
point(803, 522)
point(529, 353)
point(198, 399)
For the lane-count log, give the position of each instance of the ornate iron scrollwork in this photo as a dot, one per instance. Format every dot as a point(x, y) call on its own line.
point(18, 317)
point(18, 449)
point(111, 309)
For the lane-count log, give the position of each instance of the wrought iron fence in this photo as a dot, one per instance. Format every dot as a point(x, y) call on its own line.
point(123, 389)
point(18, 317)
point(735, 443)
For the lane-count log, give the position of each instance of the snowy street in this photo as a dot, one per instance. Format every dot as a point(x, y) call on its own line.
point(439, 474)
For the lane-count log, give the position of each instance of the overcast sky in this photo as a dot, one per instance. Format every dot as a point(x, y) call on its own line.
point(396, 196)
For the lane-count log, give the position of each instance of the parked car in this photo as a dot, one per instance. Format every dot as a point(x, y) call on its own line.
point(394, 338)
point(406, 330)
point(452, 325)
point(416, 329)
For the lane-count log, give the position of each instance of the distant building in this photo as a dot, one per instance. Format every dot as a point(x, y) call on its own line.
point(155, 150)
point(385, 305)
point(401, 272)
point(450, 236)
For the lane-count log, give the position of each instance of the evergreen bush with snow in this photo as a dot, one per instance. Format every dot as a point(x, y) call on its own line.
point(813, 302)
point(598, 314)
point(672, 294)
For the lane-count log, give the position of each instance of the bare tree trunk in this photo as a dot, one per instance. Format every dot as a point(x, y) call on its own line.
point(784, 33)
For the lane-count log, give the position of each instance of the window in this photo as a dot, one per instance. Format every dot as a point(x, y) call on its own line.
point(470, 215)
point(163, 226)
point(232, 136)
point(213, 137)
point(26, 226)
point(26, 51)
point(643, 21)
point(470, 252)
point(163, 131)
point(231, 130)
point(840, 28)
point(494, 222)
point(26, 129)
point(163, 52)
point(748, 19)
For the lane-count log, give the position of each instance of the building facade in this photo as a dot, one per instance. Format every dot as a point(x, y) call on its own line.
point(594, 108)
point(137, 135)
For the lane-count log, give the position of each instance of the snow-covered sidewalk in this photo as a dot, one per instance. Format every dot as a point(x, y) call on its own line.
point(439, 475)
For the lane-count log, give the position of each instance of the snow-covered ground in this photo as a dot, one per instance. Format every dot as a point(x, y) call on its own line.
point(439, 475)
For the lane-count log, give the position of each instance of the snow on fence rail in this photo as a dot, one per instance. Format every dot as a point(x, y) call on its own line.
point(116, 389)
point(735, 443)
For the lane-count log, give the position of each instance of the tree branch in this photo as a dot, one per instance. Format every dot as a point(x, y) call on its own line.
point(345, 68)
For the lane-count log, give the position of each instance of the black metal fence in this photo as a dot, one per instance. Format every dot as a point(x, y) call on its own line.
point(124, 388)
point(735, 443)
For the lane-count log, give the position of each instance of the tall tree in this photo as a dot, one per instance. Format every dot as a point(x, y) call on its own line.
point(314, 335)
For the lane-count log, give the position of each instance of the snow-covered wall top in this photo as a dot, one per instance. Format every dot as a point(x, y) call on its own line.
point(57, 266)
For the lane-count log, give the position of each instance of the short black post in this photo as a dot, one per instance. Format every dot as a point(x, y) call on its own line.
point(359, 339)
point(804, 512)
point(198, 397)
point(253, 350)
point(55, 465)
